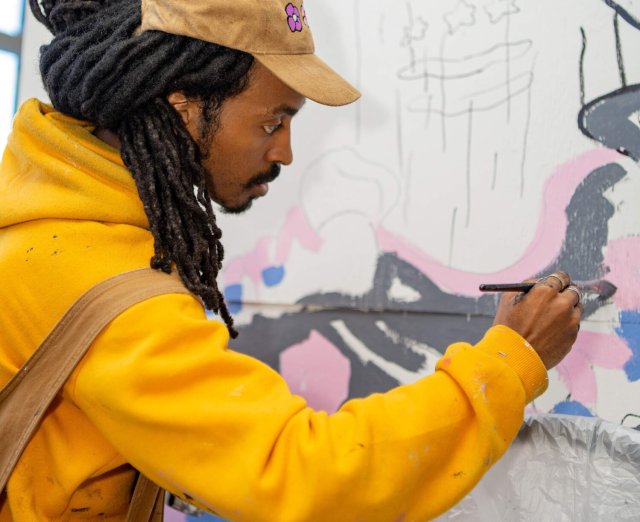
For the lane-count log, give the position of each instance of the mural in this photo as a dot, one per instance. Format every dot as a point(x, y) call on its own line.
point(492, 144)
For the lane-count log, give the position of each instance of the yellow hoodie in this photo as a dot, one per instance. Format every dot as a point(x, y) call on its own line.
point(160, 389)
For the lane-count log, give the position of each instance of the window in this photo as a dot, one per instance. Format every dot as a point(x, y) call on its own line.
point(11, 19)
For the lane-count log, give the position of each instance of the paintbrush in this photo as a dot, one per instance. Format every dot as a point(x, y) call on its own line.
point(603, 288)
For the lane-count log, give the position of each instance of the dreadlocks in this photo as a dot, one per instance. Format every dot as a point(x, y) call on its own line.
point(97, 68)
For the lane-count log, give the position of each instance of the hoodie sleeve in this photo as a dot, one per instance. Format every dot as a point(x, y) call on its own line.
point(221, 430)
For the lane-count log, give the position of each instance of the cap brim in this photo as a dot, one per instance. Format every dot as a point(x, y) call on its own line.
point(310, 76)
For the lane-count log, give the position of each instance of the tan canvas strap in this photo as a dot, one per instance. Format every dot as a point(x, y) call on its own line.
point(26, 397)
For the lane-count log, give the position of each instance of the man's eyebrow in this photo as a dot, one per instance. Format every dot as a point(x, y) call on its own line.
point(283, 108)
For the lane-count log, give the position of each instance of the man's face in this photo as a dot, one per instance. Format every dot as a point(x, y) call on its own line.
point(252, 141)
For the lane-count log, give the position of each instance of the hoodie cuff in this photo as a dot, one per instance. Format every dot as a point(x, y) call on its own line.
point(502, 343)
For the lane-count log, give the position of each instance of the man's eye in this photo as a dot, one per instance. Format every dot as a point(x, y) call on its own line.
point(270, 129)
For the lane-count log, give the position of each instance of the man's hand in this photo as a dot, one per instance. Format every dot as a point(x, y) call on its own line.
point(548, 316)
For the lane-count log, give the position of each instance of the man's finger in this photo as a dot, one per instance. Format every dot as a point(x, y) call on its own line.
point(558, 280)
point(573, 293)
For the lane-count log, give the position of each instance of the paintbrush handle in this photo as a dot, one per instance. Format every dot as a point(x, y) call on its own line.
point(512, 287)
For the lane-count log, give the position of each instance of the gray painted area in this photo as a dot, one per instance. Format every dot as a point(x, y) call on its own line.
point(613, 120)
point(266, 338)
point(436, 319)
point(588, 232)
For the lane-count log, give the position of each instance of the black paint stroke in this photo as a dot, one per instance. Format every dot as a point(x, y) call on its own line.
point(607, 120)
point(582, 57)
point(616, 30)
point(628, 17)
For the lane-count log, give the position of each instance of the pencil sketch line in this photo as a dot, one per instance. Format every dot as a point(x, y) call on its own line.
point(407, 195)
point(522, 46)
point(356, 7)
point(508, 62)
point(495, 170)
point(469, 163)
point(428, 118)
point(452, 235)
point(405, 75)
point(443, 94)
point(399, 130)
point(526, 134)
point(425, 69)
point(464, 112)
point(501, 85)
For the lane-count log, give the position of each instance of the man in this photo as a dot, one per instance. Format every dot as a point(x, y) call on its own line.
point(155, 111)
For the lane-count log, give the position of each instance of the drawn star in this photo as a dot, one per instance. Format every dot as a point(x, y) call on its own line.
point(463, 14)
point(414, 32)
point(498, 9)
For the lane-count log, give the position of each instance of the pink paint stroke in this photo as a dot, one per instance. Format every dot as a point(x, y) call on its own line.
point(296, 227)
point(623, 259)
point(591, 348)
point(316, 370)
point(545, 246)
point(251, 264)
point(255, 262)
point(171, 515)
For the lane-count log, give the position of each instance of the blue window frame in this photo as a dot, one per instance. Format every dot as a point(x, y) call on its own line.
point(11, 23)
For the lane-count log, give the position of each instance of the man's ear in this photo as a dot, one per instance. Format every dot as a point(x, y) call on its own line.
point(182, 105)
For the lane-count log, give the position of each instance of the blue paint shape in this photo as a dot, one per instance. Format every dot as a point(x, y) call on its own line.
point(273, 275)
point(571, 408)
point(233, 297)
point(629, 330)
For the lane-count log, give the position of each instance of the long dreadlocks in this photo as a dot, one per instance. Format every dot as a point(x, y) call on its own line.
point(98, 69)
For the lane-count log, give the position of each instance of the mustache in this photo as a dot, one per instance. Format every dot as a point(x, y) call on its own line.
point(265, 177)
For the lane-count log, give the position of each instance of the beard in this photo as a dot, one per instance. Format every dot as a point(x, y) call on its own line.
point(207, 130)
point(264, 177)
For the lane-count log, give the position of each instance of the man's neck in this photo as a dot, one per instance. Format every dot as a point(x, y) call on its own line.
point(108, 137)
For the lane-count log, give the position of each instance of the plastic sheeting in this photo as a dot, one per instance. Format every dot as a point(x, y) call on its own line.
point(560, 468)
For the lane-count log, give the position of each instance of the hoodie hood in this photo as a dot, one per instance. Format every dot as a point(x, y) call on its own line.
point(55, 168)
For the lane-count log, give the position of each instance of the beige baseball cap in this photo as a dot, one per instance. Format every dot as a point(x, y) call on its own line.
point(275, 32)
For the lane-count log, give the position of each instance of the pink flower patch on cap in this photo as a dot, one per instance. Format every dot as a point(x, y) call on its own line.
point(294, 20)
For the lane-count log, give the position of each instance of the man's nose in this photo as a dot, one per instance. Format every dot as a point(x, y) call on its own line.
point(281, 151)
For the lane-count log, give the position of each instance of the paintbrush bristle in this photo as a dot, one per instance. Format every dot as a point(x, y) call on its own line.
point(602, 287)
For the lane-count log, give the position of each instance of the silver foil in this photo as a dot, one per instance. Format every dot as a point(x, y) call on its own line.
point(560, 468)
